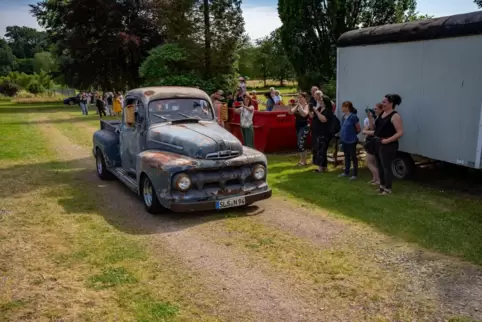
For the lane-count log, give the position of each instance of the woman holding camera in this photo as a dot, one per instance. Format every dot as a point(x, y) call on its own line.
point(301, 112)
point(247, 111)
point(369, 130)
point(321, 116)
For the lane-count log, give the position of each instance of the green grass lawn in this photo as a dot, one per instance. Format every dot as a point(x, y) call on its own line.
point(444, 221)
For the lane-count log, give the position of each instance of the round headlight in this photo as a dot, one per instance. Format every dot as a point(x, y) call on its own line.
point(259, 172)
point(183, 182)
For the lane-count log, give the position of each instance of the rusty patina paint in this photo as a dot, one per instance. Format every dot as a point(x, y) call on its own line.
point(160, 159)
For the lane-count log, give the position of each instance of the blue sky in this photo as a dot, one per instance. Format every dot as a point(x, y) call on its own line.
point(261, 16)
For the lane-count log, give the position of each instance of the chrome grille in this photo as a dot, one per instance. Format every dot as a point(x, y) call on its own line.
point(221, 155)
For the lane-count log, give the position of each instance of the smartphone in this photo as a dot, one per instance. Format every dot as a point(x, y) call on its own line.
point(367, 110)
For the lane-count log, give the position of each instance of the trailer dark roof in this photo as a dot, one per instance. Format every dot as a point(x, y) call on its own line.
point(466, 24)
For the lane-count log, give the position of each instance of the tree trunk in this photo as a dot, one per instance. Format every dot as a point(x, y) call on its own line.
point(207, 39)
point(281, 83)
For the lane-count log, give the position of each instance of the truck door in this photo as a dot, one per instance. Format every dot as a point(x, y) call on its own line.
point(130, 137)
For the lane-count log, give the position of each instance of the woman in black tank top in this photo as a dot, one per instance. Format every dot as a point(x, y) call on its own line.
point(389, 129)
point(301, 113)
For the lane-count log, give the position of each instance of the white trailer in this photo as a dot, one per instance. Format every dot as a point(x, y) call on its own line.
point(435, 65)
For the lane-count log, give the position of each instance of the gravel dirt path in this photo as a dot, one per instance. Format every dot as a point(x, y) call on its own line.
point(248, 290)
point(242, 290)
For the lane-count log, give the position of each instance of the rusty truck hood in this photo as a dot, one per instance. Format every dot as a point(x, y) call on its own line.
point(197, 140)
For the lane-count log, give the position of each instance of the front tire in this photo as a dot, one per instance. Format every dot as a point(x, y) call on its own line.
point(101, 167)
point(149, 196)
point(403, 166)
point(71, 103)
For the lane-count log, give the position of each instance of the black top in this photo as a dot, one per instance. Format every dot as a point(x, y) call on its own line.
point(300, 121)
point(230, 103)
point(384, 127)
point(100, 104)
point(319, 128)
point(109, 100)
point(444, 27)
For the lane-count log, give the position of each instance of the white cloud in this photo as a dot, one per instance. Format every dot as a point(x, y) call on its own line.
point(16, 17)
point(260, 21)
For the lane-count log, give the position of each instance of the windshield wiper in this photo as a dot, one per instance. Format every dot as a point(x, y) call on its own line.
point(182, 114)
point(161, 117)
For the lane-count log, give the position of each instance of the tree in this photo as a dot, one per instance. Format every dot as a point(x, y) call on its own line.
point(247, 60)
point(478, 3)
point(106, 47)
point(170, 65)
point(25, 41)
point(263, 54)
point(280, 67)
point(43, 61)
point(311, 28)
point(211, 31)
point(7, 59)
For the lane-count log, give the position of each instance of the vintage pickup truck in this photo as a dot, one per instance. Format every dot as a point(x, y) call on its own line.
point(169, 149)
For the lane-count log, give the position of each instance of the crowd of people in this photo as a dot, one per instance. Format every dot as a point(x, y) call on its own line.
point(382, 128)
point(108, 104)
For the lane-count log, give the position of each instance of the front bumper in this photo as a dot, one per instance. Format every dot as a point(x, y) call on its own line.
point(211, 205)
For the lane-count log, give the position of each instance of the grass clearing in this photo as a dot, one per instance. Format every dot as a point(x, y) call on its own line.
point(441, 221)
point(60, 258)
point(339, 277)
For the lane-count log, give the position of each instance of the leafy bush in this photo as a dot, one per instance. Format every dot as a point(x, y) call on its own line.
point(171, 65)
point(8, 88)
point(24, 94)
point(4, 98)
point(329, 89)
point(35, 88)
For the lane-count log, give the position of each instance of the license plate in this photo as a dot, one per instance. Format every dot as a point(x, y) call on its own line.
point(230, 202)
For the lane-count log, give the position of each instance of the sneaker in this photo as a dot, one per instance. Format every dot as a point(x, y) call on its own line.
point(343, 175)
point(352, 178)
point(385, 193)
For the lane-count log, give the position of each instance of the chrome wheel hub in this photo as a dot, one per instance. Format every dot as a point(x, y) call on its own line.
point(147, 192)
point(99, 164)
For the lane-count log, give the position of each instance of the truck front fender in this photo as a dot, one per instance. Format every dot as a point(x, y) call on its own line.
point(160, 166)
point(108, 143)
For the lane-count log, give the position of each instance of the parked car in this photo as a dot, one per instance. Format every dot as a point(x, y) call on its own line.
point(170, 150)
point(74, 100)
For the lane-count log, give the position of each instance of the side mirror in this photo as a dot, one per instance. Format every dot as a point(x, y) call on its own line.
point(130, 115)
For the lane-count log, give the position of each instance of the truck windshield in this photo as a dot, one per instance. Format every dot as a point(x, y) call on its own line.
point(178, 109)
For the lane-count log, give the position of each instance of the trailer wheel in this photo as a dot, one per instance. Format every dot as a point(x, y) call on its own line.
point(403, 166)
point(149, 196)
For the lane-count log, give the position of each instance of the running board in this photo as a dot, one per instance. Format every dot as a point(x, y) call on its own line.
point(124, 176)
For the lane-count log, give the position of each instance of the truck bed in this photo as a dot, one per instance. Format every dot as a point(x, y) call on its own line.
point(109, 125)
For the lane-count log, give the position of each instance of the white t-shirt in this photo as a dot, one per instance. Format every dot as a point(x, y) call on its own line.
point(366, 122)
point(246, 117)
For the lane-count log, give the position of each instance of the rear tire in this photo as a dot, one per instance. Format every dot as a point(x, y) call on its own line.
point(101, 167)
point(71, 103)
point(403, 166)
point(149, 196)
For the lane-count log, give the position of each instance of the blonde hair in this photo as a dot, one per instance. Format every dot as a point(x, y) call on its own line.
point(276, 92)
point(318, 92)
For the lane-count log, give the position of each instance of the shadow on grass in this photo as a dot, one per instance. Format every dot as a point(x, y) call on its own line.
point(426, 214)
point(81, 191)
point(34, 108)
point(78, 119)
